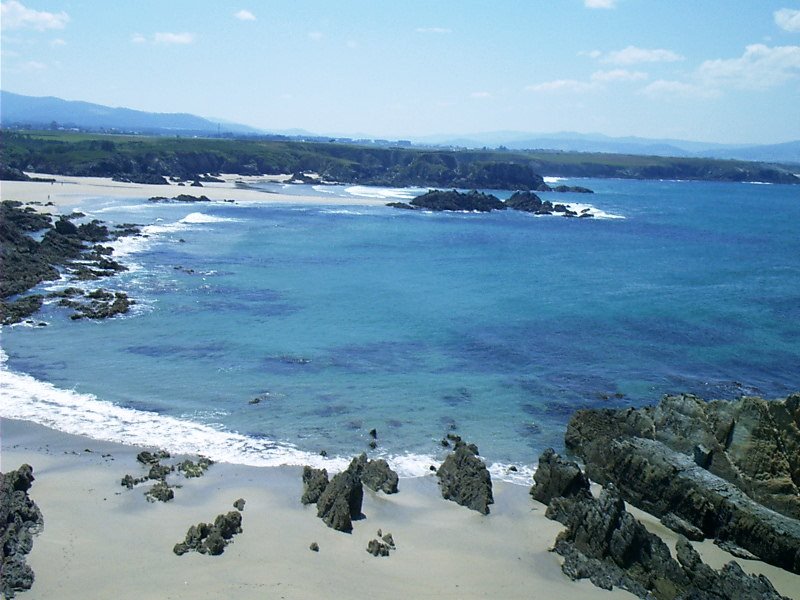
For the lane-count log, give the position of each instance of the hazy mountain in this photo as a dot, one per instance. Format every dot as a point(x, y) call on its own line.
point(42, 111)
point(596, 142)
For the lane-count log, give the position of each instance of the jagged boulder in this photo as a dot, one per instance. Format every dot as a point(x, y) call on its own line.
point(377, 475)
point(314, 483)
point(340, 503)
point(557, 477)
point(207, 538)
point(464, 478)
point(606, 544)
point(20, 519)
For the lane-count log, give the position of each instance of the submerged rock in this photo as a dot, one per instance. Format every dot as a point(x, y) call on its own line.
point(464, 478)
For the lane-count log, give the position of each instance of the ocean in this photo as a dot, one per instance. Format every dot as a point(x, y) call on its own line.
point(265, 334)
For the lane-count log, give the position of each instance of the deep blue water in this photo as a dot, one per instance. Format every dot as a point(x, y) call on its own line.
point(495, 326)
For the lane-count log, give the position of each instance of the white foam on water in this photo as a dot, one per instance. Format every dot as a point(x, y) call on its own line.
point(552, 179)
point(29, 399)
point(363, 191)
point(593, 210)
point(197, 218)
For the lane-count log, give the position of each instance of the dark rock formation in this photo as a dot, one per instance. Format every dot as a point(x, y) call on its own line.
point(340, 503)
point(20, 519)
point(571, 188)
point(403, 205)
point(682, 527)
point(556, 477)
point(208, 538)
point(314, 547)
point(314, 483)
point(195, 469)
point(239, 504)
point(377, 547)
point(464, 478)
point(378, 476)
point(160, 492)
point(606, 544)
point(529, 202)
point(651, 455)
point(473, 201)
point(185, 198)
point(150, 458)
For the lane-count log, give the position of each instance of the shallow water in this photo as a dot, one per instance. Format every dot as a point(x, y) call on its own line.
point(494, 326)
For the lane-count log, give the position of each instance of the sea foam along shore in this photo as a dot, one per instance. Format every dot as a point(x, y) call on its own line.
point(102, 540)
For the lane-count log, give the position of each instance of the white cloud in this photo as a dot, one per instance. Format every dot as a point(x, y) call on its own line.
point(138, 38)
point(618, 75)
point(58, 42)
point(670, 89)
point(439, 30)
point(760, 67)
point(633, 55)
point(33, 65)
point(13, 15)
point(600, 3)
point(244, 15)
point(590, 53)
point(561, 85)
point(173, 38)
point(788, 19)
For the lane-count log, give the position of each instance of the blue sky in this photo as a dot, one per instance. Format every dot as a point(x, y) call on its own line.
point(720, 71)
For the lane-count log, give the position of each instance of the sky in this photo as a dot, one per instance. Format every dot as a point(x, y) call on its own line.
point(706, 70)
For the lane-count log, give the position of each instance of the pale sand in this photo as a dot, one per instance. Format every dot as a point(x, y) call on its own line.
point(70, 192)
point(101, 540)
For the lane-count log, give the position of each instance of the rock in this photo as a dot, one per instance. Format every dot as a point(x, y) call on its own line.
point(159, 471)
point(378, 476)
point(373, 433)
point(464, 478)
point(752, 443)
point(20, 519)
point(161, 492)
point(474, 201)
point(340, 503)
point(239, 504)
point(735, 550)
point(402, 205)
point(207, 538)
point(556, 477)
point(149, 458)
point(314, 547)
point(683, 527)
point(529, 202)
point(660, 481)
point(195, 469)
point(378, 548)
point(314, 483)
point(603, 542)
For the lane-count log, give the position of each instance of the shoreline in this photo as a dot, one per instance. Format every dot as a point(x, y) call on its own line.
point(68, 192)
point(443, 550)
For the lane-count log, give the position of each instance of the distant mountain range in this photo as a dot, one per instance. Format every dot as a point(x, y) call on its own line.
point(19, 110)
point(16, 109)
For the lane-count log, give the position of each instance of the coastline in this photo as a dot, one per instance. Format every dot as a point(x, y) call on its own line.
point(443, 550)
point(68, 192)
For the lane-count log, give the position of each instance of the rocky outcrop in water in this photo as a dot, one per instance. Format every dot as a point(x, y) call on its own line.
point(724, 468)
point(474, 201)
point(20, 519)
point(606, 544)
point(211, 538)
point(64, 248)
point(464, 478)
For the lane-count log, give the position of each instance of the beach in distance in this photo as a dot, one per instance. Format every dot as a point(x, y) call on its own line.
point(101, 540)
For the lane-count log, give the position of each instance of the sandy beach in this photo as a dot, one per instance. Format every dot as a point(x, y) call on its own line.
point(68, 192)
point(102, 540)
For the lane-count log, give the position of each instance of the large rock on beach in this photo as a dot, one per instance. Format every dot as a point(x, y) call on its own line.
point(314, 483)
point(604, 543)
point(464, 478)
point(211, 538)
point(377, 475)
point(722, 467)
point(20, 519)
point(340, 503)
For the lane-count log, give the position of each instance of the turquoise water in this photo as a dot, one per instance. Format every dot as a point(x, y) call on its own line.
point(495, 326)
